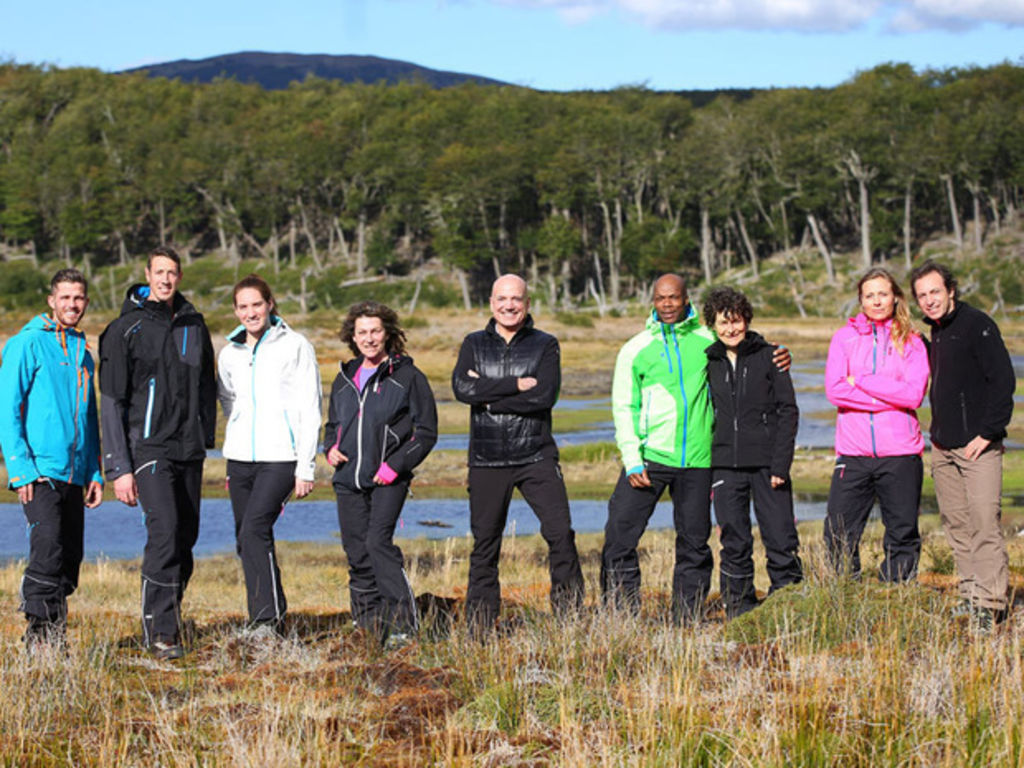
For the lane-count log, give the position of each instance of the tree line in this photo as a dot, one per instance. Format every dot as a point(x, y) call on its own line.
point(590, 194)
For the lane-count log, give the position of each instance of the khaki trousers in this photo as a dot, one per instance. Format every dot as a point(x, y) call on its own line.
point(970, 506)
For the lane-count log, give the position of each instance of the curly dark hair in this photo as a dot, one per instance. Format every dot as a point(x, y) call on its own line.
point(395, 343)
point(729, 302)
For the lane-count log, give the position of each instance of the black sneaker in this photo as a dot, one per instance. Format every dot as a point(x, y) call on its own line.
point(166, 648)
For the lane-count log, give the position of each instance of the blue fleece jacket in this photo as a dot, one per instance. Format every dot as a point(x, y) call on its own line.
point(48, 424)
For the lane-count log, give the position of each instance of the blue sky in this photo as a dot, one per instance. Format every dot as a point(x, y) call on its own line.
point(545, 44)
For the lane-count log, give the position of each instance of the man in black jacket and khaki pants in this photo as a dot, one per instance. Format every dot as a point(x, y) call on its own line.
point(972, 402)
point(510, 374)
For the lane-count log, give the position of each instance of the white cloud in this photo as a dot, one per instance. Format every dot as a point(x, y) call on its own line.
point(800, 15)
point(913, 15)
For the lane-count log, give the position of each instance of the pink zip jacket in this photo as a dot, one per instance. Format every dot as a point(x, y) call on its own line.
point(877, 414)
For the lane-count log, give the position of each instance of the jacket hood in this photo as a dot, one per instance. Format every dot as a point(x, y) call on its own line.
point(690, 322)
point(751, 343)
point(138, 294)
point(862, 325)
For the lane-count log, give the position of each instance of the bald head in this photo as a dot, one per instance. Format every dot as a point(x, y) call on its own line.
point(509, 304)
point(670, 299)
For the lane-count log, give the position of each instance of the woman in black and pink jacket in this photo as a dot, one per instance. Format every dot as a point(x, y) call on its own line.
point(381, 423)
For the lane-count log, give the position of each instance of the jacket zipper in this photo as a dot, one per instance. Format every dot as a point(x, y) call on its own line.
point(874, 366)
point(79, 394)
point(359, 429)
point(149, 410)
point(252, 387)
point(682, 390)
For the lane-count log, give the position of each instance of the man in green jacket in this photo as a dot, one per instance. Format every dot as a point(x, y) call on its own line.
point(663, 425)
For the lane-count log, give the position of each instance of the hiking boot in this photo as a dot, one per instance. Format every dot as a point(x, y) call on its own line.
point(961, 610)
point(982, 620)
point(166, 648)
point(42, 635)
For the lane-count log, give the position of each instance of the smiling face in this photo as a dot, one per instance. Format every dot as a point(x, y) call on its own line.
point(670, 299)
point(877, 299)
point(509, 304)
point(370, 339)
point(253, 311)
point(934, 299)
point(731, 329)
point(163, 276)
point(68, 302)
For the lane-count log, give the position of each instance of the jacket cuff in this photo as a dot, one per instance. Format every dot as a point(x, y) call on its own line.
point(386, 473)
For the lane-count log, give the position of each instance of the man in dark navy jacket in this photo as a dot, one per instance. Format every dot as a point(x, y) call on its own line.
point(510, 374)
point(158, 405)
point(972, 402)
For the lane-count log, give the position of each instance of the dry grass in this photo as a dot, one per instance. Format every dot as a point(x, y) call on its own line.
point(826, 673)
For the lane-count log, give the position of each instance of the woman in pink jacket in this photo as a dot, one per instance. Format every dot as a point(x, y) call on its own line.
point(876, 375)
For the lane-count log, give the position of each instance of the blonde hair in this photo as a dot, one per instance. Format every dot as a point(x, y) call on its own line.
point(902, 328)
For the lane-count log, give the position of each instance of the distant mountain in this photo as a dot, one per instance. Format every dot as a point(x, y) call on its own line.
point(274, 71)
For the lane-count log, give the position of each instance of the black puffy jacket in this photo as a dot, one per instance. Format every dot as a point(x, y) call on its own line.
point(972, 378)
point(507, 427)
point(158, 390)
point(756, 416)
point(393, 419)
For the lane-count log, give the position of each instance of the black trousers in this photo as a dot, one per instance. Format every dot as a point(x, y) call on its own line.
point(55, 522)
point(381, 596)
point(731, 492)
point(856, 481)
point(630, 508)
point(490, 492)
point(169, 493)
point(259, 490)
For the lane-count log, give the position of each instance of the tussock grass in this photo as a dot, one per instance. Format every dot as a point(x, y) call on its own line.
point(828, 672)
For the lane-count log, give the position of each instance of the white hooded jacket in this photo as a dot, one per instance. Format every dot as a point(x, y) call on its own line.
point(270, 394)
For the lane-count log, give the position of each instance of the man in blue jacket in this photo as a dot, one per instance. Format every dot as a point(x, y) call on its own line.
point(50, 439)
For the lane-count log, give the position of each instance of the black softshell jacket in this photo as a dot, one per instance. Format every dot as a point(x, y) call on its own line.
point(507, 427)
point(972, 378)
point(158, 390)
point(393, 419)
point(756, 416)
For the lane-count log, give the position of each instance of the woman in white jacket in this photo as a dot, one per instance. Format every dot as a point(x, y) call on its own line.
point(269, 388)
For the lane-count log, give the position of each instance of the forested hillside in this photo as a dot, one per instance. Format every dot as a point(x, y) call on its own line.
point(591, 193)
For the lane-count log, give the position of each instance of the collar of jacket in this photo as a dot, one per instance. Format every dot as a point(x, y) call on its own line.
point(276, 328)
point(689, 323)
point(862, 325)
point(751, 343)
point(492, 328)
point(137, 298)
point(44, 323)
point(947, 318)
point(386, 368)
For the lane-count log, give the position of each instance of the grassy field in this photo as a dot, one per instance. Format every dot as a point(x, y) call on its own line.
point(827, 673)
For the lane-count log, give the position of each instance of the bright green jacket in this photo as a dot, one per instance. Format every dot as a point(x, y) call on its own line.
point(660, 399)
